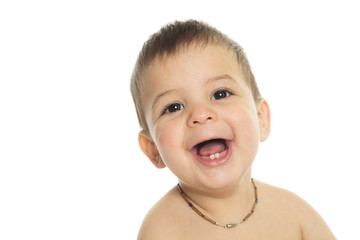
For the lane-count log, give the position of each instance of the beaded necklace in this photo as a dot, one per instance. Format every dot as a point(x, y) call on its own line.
point(229, 225)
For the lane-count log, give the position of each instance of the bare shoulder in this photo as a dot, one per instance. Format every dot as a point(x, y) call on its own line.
point(294, 209)
point(162, 221)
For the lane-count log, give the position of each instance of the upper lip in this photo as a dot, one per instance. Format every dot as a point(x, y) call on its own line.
point(200, 143)
point(205, 134)
point(195, 146)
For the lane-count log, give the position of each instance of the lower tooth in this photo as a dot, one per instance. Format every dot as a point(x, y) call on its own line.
point(213, 156)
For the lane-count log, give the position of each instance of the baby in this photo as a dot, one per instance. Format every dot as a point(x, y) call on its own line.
point(202, 116)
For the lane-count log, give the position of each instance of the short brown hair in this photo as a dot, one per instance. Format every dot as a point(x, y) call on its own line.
point(179, 35)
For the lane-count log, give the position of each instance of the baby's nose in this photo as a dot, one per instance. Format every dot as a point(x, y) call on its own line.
point(200, 114)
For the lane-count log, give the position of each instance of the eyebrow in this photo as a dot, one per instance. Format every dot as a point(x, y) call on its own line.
point(161, 95)
point(225, 76)
point(211, 79)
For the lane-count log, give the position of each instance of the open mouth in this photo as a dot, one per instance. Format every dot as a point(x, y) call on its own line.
point(211, 149)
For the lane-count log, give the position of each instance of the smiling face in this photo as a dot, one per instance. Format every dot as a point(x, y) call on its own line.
point(203, 121)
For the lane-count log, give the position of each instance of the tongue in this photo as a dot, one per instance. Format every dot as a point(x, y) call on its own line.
point(211, 147)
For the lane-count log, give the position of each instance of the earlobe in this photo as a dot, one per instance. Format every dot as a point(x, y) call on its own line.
point(264, 118)
point(149, 149)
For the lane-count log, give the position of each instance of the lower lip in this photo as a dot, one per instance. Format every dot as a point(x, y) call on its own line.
point(216, 161)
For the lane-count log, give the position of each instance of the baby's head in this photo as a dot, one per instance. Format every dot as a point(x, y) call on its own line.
point(177, 37)
point(198, 105)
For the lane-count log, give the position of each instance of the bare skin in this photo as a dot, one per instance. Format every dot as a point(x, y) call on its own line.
point(218, 105)
point(279, 215)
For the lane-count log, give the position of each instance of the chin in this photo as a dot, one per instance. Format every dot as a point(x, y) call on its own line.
point(222, 180)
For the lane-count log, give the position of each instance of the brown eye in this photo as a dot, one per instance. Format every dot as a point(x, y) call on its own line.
point(220, 94)
point(174, 107)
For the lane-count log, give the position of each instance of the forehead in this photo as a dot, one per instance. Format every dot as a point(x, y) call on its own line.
point(193, 62)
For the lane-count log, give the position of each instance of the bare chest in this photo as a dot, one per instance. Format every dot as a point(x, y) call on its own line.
point(254, 229)
point(243, 234)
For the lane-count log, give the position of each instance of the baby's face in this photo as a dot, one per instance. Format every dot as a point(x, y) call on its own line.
point(202, 117)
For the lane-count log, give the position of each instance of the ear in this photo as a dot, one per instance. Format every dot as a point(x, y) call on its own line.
point(264, 118)
point(149, 149)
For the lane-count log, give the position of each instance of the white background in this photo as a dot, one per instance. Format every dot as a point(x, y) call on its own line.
point(70, 167)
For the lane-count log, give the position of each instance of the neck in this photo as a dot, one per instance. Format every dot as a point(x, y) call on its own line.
point(225, 205)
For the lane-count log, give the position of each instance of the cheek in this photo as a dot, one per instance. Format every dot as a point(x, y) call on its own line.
point(252, 138)
point(247, 128)
point(168, 138)
point(252, 131)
